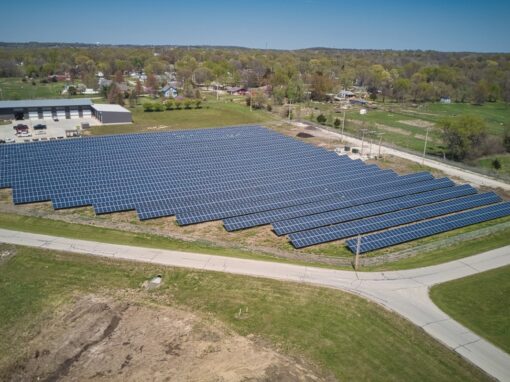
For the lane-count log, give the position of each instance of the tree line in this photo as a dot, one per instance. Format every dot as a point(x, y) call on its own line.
point(403, 76)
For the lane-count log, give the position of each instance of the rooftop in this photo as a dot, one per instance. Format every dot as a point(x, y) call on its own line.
point(46, 103)
point(110, 107)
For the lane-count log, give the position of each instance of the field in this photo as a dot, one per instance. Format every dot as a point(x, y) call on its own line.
point(14, 88)
point(481, 303)
point(405, 126)
point(342, 334)
point(212, 114)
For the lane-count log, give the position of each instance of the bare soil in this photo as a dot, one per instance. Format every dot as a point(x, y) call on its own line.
point(418, 123)
point(103, 339)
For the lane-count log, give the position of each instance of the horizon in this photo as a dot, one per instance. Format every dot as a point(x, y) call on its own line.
point(457, 26)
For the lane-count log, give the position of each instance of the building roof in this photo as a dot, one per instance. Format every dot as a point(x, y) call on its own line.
point(110, 108)
point(45, 103)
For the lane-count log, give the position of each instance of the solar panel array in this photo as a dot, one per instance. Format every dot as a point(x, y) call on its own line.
point(246, 176)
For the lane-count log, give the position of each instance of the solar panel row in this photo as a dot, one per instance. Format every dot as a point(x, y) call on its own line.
point(247, 176)
point(430, 227)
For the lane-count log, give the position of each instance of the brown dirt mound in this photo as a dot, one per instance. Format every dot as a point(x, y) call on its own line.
point(101, 339)
point(304, 135)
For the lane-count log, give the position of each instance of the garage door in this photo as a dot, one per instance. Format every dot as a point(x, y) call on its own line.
point(74, 113)
point(87, 113)
point(61, 114)
point(47, 114)
point(33, 115)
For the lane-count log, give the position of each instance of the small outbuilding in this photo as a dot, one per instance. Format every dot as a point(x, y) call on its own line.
point(111, 114)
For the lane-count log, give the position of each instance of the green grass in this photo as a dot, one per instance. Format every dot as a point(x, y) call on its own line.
point(112, 236)
point(448, 253)
point(495, 115)
point(481, 303)
point(342, 333)
point(14, 88)
point(211, 114)
point(504, 160)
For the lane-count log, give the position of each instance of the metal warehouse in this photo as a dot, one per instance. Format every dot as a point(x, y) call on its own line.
point(63, 109)
point(109, 113)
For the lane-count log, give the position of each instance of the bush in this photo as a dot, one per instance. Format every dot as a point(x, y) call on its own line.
point(148, 106)
point(198, 104)
point(188, 103)
point(321, 118)
point(158, 106)
point(269, 108)
point(178, 104)
point(337, 123)
point(496, 164)
point(169, 104)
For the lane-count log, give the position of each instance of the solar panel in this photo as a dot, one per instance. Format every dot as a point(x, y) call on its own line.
point(430, 227)
point(247, 176)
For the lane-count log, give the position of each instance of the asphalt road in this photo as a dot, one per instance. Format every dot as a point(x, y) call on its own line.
point(404, 292)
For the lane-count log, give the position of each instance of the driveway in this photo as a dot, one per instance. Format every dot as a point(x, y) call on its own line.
point(404, 292)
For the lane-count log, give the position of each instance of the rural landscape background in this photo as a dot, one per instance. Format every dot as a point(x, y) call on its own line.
point(421, 88)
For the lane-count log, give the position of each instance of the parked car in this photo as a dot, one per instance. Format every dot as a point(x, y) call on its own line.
point(39, 126)
point(20, 126)
point(1, 141)
point(10, 140)
point(55, 118)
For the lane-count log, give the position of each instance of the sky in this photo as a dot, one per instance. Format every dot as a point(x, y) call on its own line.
point(444, 25)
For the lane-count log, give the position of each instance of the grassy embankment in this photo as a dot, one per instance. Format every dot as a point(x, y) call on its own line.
point(480, 302)
point(342, 333)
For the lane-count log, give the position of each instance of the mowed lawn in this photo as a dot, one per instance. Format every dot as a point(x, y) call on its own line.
point(481, 303)
point(345, 334)
point(15, 88)
point(211, 114)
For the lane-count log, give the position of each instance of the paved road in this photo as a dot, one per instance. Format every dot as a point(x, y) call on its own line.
point(405, 292)
point(468, 176)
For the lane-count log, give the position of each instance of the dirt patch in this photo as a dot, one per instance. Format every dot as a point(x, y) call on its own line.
point(418, 123)
point(99, 339)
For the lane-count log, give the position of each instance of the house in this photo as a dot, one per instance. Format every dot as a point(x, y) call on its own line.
point(169, 91)
point(445, 100)
point(344, 94)
point(236, 90)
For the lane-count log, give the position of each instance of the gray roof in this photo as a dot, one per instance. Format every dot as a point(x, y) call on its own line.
point(45, 103)
point(110, 107)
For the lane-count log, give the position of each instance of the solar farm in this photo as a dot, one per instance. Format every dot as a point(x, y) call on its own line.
point(245, 176)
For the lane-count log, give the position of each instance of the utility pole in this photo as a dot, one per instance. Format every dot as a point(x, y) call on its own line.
point(425, 146)
point(356, 258)
point(363, 131)
point(343, 126)
point(251, 101)
point(371, 134)
point(290, 110)
point(380, 140)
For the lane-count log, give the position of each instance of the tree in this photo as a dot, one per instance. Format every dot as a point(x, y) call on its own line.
point(321, 118)
point(321, 85)
point(119, 78)
point(115, 95)
point(198, 104)
point(187, 103)
point(496, 164)
point(480, 92)
point(152, 84)
point(148, 106)
point(138, 88)
point(178, 104)
point(169, 104)
point(463, 136)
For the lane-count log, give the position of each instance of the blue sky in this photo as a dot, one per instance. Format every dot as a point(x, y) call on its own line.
point(446, 25)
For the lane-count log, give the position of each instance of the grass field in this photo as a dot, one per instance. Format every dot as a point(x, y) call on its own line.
point(211, 114)
point(480, 302)
point(504, 160)
point(349, 336)
point(14, 88)
point(405, 126)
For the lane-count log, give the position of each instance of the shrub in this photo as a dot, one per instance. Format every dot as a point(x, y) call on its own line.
point(158, 106)
point(269, 108)
point(187, 103)
point(198, 104)
point(496, 164)
point(321, 118)
point(178, 104)
point(337, 123)
point(169, 104)
point(148, 106)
